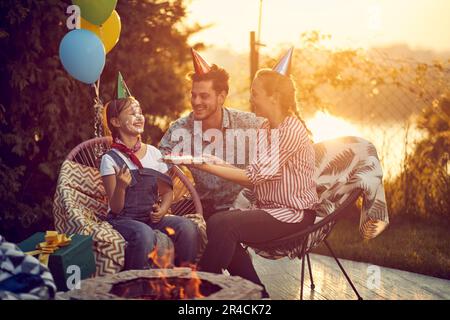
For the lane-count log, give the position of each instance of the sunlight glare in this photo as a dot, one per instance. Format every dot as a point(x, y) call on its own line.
point(325, 126)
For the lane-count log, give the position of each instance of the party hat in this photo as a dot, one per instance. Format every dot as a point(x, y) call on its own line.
point(122, 89)
point(200, 64)
point(283, 66)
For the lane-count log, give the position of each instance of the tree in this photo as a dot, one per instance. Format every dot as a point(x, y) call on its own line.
point(427, 175)
point(44, 112)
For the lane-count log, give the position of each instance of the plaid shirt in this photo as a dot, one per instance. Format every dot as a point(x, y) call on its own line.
point(214, 190)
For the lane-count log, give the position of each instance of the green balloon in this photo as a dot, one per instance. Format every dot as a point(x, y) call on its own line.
point(96, 11)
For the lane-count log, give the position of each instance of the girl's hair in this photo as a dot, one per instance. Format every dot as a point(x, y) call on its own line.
point(273, 82)
point(112, 110)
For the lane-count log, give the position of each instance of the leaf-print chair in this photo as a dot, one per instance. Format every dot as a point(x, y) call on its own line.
point(346, 168)
point(80, 203)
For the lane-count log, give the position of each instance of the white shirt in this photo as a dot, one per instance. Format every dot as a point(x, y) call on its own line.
point(151, 160)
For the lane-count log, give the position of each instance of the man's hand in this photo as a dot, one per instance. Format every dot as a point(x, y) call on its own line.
point(157, 214)
point(123, 177)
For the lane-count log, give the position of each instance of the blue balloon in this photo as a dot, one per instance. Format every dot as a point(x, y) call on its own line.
point(83, 55)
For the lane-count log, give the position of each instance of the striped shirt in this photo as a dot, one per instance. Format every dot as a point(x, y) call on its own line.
point(283, 181)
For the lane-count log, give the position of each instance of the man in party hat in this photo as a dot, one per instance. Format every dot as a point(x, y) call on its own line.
point(208, 94)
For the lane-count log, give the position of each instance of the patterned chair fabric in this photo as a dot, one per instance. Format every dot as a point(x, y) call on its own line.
point(79, 199)
point(80, 202)
point(346, 164)
point(345, 168)
point(23, 277)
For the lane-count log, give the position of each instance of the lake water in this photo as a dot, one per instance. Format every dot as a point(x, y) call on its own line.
point(392, 140)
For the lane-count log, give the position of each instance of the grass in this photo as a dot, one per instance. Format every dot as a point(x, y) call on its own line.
point(412, 244)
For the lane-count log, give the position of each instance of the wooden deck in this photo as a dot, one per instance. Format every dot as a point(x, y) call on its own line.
point(282, 280)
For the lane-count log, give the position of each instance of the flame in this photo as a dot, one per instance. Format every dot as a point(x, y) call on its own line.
point(193, 286)
point(170, 231)
point(182, 293)
point(163, 261)
point(163, 288)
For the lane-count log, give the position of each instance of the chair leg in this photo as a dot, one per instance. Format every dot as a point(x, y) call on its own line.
point(310, 272)
point(302, 278)
point(343, 271)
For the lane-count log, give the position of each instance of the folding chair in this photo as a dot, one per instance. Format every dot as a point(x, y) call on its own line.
point(299, 245)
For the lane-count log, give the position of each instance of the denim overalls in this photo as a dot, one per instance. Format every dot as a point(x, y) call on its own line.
point(135, 225)
point(142, 193)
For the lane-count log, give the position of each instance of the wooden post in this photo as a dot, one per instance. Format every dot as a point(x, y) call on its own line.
point(254, 57)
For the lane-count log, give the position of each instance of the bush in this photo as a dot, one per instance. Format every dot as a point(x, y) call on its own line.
point(44, 112)
point(424, 185)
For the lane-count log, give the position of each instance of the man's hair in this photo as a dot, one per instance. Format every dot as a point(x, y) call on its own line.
point(218, 76)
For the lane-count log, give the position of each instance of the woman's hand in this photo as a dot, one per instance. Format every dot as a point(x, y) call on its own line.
point(176, 159)
point(123, 177)
point(186, 160)
point(228, 172)
point(210, 159)
point(158, 213)
point(222, 170)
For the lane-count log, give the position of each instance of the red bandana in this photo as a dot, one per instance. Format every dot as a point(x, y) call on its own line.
point(119, 145)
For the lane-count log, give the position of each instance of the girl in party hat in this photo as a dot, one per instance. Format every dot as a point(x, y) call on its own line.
point(134, 176)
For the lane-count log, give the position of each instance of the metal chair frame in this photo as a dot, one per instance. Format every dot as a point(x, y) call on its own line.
point(301, 243)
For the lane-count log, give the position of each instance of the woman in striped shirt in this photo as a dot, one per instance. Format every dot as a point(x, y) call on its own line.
point(281, 181)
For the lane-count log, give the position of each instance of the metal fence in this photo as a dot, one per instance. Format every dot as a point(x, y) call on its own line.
point(378, 94)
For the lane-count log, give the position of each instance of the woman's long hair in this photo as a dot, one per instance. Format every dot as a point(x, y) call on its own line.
point(273, 82)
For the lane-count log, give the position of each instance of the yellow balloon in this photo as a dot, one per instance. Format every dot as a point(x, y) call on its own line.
point(108, 32)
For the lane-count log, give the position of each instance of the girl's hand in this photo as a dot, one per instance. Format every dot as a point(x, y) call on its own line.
point(123, 177)
point(157, 214)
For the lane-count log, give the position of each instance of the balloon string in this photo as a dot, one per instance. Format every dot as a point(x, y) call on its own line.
point(98, 123)
point(97, 89)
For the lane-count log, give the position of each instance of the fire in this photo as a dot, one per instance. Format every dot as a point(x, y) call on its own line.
point(170, 231)
point(163, 290)
point(166, 290)
point(162, 261)
point(193, 286)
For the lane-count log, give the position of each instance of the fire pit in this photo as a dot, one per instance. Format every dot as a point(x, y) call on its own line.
point(165, 284)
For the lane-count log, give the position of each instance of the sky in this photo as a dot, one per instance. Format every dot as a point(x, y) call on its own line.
point(421, 24)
